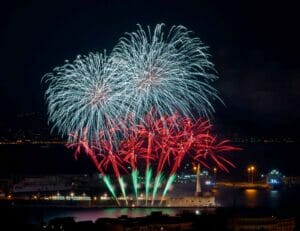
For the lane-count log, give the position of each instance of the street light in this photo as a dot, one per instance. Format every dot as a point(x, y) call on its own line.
point(215, 173)
point(250, 171)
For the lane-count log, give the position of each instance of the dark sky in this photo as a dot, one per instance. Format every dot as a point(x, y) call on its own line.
point(255, 48)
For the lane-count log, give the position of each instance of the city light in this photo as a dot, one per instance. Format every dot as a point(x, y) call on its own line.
point(251, 169)
point(274, 177)
point(208, 182)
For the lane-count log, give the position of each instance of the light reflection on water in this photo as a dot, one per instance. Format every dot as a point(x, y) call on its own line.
point(249, 198)
point(94, 214)
point(252, 198)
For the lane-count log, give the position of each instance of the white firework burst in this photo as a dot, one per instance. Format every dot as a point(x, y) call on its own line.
point(166, 71)
point(84, 97)
point(147, 71)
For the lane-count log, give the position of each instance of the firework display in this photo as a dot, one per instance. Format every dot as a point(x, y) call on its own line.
point(145, 70)
point(157, 149)
point(134, 112)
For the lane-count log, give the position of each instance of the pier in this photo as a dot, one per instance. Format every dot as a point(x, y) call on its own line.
point(244, 185)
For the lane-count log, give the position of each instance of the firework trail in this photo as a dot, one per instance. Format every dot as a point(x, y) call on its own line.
point(129, 151)
point(196, 140)
point(162, 146)
point(176, 137)
point(109, 157)
point(91, 152)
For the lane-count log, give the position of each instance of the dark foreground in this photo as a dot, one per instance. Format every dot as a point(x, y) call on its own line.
point(221, 219)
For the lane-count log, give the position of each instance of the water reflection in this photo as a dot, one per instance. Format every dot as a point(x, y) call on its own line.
point(94, 214)
point(226, 197)
point(251, 197)
point(274, 198)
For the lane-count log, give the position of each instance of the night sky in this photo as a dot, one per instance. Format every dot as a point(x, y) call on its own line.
point(255, 48)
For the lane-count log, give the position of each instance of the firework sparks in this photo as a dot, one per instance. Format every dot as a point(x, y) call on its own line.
point(84, 96)
point(167, 70)
point(162, 146)
point(136, 107)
